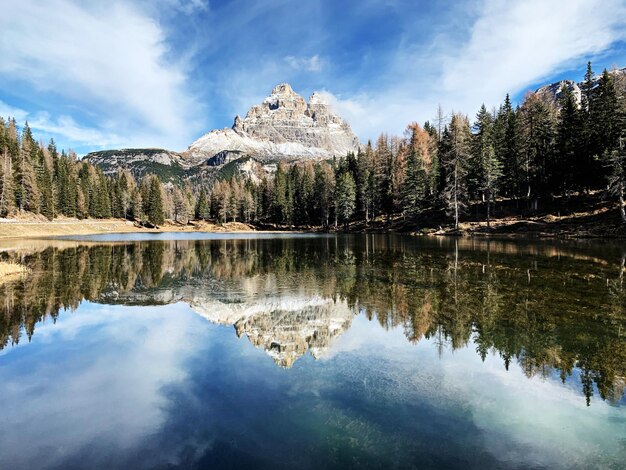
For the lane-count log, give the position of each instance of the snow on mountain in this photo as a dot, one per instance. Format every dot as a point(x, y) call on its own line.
point(284, 125)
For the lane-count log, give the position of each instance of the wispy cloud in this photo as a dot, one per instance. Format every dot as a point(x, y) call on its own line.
point(64, 126)
point(142, 73)
point(112, 61)
point(189, 7)
point(8, 111)
point(509, 47)
point(309, 64)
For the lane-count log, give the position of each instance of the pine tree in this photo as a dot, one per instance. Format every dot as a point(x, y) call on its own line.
point(26, 190)
point(154, 210)
point(202, 206)
point(457, 159)
point(538, 136)
point(616, 160)
point(607, 113)
point(7, 194)
point(492, 173)
point(345, 197)
point(568, 141)
point(416, 180)
point(482, 141)
point(136, 205)
point(383, 175)
point(45, 184)
point(507, 146)
point(367, 182)
point(323, 190)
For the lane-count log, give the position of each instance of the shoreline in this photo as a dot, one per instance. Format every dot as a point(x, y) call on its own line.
point(510, 228)
point(12, 229)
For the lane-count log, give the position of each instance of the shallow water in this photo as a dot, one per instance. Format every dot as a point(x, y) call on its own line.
point(279, 351)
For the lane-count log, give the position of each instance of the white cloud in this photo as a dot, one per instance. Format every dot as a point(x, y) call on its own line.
point(68, 128)
point(128, 356)
point(189, 7)
point(63, 125)
point(111, 60)
point(8, 111)
point(510, 46)
point(308, 64)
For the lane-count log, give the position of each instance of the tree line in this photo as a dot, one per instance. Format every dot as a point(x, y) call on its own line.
point(529, 154)
point(39, 179)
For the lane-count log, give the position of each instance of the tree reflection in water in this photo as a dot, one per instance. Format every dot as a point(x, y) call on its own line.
point(554, 308)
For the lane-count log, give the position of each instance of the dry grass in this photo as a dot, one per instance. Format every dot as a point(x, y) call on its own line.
point(36, 228)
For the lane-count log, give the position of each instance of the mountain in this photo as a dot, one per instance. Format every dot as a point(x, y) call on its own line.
point(551, 93)
point(283, 127)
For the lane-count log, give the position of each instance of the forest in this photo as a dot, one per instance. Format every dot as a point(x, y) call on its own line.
point(527, 154)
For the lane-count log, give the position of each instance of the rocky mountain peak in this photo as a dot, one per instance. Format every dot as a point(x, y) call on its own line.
point(552, 93)
point(283, 125)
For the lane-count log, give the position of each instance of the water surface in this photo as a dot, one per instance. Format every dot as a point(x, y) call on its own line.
point(278, 351)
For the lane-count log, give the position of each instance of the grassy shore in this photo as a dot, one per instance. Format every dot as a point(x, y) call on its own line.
point(33, 227)
point(578, 216)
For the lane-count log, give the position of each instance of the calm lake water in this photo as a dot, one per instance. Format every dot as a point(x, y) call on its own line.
point(283, 351)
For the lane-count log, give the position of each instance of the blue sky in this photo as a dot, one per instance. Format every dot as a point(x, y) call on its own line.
point(142, 73)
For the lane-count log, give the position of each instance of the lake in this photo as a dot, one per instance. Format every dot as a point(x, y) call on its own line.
point(312, 351)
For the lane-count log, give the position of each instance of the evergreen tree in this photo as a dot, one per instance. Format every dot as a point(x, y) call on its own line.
point(383, 172)
point(26, 190)
point(324, 188)
point(482, 142)
point(154, 208)
point(457, 160)
point(538, 136)
point(202, 206)
point(367, 182)
point(416, 180)
point(507, 147)
point(492, 172)
point(616, 160)
point(7, 193)
point(345, 197)
point(568, 141)
point(283, 197)
point(607, 112)
point(136, 205)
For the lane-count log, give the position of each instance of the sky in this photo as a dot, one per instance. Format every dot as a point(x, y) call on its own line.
point(161, 73)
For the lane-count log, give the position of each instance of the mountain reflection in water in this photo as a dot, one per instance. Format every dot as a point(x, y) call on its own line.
point(554, 308)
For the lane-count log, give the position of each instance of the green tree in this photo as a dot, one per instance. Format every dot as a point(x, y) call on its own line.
point(345, 197)
point(323, 190)
point(456, 161)
point(155, 211)
point(568, 141)
point(482, 141)
point(202, 206)
point(538, 136)
point(416, 179)
point(492, 172)
point(7, 193)
point(616, 160)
